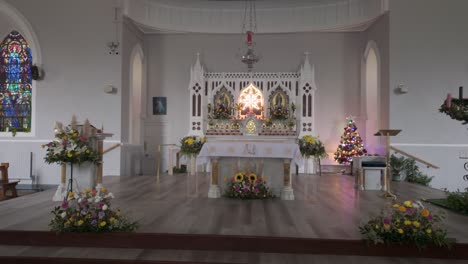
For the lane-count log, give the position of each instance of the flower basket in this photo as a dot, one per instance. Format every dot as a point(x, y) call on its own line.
point(89, 211)
point(247, 186)
point(407, 223)
point(191, 145)
point(312, 147)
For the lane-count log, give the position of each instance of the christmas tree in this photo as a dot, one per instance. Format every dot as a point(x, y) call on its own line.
point(350, 144)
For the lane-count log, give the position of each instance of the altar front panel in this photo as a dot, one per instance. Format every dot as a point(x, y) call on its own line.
point(270, 168)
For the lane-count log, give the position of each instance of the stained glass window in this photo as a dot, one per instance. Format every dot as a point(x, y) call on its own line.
point(15, 84)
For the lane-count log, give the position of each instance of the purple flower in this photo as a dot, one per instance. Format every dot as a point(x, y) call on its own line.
point(94, 222)
point(246, 190)
point(387, 221)
point(93, 215)
point(101, 214)
point(255, 190)
point(236, 187)
point(64, 204)
point(409, 211)
point(429, 217)
point(83, 212)
point(84, 202)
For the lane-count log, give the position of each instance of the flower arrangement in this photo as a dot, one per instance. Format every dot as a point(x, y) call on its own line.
point(222, 112)
point(279, 113)
point(311, 146)
point(247, 186)
point(89, 211)
point(407, 223)
point(191, 145)
point(70, 146)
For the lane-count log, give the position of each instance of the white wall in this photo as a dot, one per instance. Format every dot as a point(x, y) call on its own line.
point(73, 37)
point(337, 69)
point(428, 54)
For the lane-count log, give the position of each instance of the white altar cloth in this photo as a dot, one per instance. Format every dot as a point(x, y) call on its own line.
point(250, 149)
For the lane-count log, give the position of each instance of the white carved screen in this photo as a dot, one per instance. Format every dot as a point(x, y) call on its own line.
point(299, 87)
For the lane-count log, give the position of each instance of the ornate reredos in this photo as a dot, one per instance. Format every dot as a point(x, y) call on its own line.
point(223, 98)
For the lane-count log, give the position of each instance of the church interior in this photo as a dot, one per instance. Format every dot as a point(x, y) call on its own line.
point(233, 131)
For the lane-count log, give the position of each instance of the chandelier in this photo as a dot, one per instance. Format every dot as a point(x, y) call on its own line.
point(249, 26)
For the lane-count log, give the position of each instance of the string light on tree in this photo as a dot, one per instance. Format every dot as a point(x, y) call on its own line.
point(350, 144)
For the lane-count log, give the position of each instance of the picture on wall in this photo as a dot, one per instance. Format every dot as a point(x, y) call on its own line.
point(159, 105)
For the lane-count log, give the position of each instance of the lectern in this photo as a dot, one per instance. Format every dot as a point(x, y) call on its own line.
point(388, 133)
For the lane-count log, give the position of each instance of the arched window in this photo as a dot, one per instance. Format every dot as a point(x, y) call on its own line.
point(15, 84)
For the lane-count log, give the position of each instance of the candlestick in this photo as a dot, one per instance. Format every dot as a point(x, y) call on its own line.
point(448, 101)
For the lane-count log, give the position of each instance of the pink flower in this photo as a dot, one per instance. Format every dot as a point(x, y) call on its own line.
point(429, 217)
point(409, 211)
point(64, 204)
point(387, 221)
point(255, 190)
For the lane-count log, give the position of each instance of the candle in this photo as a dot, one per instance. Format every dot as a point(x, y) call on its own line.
point(460, 93)
point(448, 101)
point(249, 37)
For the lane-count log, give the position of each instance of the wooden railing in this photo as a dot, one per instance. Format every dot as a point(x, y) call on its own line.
point(404, 153)
point(112, 148)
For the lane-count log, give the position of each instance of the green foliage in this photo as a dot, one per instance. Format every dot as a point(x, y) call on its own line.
point(408, 167)
point(409, 223)
point(182, 169)
point(458, 201)
point(248, 186)
point(89, 211)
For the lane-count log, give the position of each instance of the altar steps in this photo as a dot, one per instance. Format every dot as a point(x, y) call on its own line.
point(224, 243)
point(51, 260)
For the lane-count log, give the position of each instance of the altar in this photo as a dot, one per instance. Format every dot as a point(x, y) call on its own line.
point(251, 122)
point(270, 159)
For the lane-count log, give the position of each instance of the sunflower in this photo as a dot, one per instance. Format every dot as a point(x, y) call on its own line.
point(252, 177)
point(239, 177)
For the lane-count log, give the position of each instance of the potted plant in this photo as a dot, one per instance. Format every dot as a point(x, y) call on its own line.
point(398, 167)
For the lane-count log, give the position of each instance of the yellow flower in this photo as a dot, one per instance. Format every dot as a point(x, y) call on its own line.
point(416, 224)
point(407, 222)
point(87, 190)
point(87, 151)
point(71, 194)
point(104, 190)
point(425, 212)
point(75, 134)
point(102, 224)
point(309, 139)
point(428, 230)
point(376, 226)
point(386, 226)
point(68, 222)
point(189, 141)
point(408, 204)
point(80, 222)
point(402, 209)
point(239, 177)
point(396, 205)
point(400, 231)
point(69, 154)
point(64, 138)
point(112, 219)
point(252, 177)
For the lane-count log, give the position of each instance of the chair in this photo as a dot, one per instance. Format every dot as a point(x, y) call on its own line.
point(5, 184)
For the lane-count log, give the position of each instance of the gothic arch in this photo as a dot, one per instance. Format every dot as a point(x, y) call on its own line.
point(371, 94)
point(21, 25)
point(136, 94)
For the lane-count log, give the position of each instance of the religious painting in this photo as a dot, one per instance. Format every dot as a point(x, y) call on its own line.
point(251, 100)
point(159, 105)
point(278, 99)
point(223, 104)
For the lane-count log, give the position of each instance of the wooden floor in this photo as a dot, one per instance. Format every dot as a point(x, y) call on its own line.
point(326, 206)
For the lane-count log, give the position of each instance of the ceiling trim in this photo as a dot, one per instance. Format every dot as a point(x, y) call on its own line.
point(155, 17)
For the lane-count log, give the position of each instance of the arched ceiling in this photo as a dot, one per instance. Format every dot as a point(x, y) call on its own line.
point(273, 16)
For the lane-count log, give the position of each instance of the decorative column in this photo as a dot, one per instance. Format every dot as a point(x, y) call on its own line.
point(287, 193)
point(61, 189)
point(214, 191)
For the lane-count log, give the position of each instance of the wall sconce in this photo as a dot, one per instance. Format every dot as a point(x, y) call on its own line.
point(401, 89)
point(36, 73)
point(109, 89)
point(113, 47)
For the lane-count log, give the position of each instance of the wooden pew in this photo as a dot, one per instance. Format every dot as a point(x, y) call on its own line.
point(5, 184)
